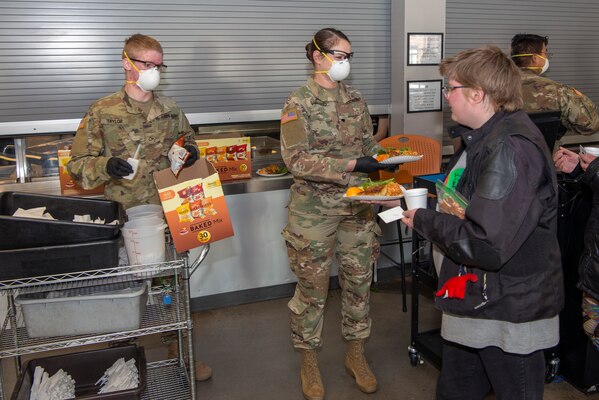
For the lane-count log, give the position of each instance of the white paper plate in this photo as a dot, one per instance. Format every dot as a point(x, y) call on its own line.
point(364, 197)
point(271, 175)
point(401, 159)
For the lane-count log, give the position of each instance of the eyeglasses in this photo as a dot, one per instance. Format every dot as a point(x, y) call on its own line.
point(447, 89)
point(149, 65)
point(340, 55)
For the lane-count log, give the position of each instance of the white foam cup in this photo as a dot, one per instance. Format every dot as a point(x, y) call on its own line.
point(594, 151)
point(134, 164)
point(416, 198)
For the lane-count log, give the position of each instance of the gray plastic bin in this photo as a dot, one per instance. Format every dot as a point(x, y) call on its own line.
point(95, 309)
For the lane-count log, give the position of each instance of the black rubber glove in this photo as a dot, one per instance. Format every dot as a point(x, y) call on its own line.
point(117, 167)
point(370, 164)
point(193, 155)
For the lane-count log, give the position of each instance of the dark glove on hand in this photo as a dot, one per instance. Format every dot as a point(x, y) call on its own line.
point(193, 155)
point(370, 164)
point(455, 288)
point(117, 167)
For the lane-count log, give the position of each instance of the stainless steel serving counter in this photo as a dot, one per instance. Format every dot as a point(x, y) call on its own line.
point(253, 185)
point(265, 151)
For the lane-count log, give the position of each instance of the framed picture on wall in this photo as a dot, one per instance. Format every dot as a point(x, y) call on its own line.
point(424, 96)
point(425, 48)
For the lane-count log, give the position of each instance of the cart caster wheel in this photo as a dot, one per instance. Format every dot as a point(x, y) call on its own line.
point(551, 369)
point(414, 356)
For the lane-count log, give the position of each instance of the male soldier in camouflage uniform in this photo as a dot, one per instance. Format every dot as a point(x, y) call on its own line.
point(578, 112)
point(115, 125)
point(326, 134)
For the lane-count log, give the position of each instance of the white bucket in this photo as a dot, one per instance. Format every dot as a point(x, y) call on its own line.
point(149, 214)
point(144, 210)
point(144, 240)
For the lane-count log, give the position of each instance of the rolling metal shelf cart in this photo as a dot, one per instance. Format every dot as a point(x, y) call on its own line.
point(175, 376)
point(428, 343)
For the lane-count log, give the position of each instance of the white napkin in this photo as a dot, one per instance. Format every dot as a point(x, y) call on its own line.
point(38, 212)
point(392, 214)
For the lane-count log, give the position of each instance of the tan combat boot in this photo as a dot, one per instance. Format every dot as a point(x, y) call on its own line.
point(203, 371)
point(310, 375)
point(357, 367)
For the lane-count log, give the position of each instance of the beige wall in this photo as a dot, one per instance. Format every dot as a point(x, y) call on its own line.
point(413, 16)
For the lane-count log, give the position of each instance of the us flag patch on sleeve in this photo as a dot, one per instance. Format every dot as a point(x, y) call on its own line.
point(82, 123)
point(289, 116)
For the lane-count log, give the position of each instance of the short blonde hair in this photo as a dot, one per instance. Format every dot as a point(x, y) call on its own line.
point(487, 68)
point(139, 42)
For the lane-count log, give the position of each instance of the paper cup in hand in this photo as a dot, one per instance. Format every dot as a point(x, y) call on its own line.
point(416, 198)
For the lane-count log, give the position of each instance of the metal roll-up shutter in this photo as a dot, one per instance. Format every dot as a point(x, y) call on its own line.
point(570, 25)
point(228, 57)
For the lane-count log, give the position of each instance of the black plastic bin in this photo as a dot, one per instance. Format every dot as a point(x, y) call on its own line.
point(50, 260)
point(85, 368)
point(20, 233)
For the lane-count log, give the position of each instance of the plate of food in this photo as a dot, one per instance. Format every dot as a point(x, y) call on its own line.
point(397, 156)
point(375, 190)
point(272, 171)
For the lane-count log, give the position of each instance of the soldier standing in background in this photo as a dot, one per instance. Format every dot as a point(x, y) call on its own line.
point(115, 125)
point(579, 113)
point(327, 144)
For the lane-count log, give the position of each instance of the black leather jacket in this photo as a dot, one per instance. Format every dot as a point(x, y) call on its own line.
point(588, 269)
point(509, 236)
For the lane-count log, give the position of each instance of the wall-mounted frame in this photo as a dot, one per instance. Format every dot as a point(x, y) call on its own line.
point(424, 96)
point(425, 48)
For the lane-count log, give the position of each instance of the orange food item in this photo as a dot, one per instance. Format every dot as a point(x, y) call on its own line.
point(402, 152)
point(394, 189)
point(353, 191)
point(382, 157)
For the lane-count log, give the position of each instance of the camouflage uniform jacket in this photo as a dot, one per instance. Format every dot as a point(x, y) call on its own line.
point(113, 127)
point(320, 133)
point(579, 113)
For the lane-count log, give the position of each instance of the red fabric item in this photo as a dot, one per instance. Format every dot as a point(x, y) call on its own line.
point(455, 288)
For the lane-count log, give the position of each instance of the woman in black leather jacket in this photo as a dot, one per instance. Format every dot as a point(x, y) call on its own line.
point(586, 166)
point(500, 278)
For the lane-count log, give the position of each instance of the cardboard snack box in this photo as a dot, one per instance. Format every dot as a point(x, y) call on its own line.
point(229, 153)
point(68, 187)
point(194, 205)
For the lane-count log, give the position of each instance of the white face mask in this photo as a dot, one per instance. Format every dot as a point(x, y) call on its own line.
point(545, 66)
point(543, 69)
point(339, 70)
point(148, 79)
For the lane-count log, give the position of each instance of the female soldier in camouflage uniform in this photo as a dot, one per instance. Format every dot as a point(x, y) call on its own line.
point(326, 142)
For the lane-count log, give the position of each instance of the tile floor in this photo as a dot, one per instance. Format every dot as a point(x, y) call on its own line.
point(249, 349)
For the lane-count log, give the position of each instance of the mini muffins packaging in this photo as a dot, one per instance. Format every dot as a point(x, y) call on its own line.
point(194, 205)
point(229, 153)
point(450, 201)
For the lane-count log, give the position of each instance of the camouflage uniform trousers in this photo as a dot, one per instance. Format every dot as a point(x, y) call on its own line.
point(312, 239)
